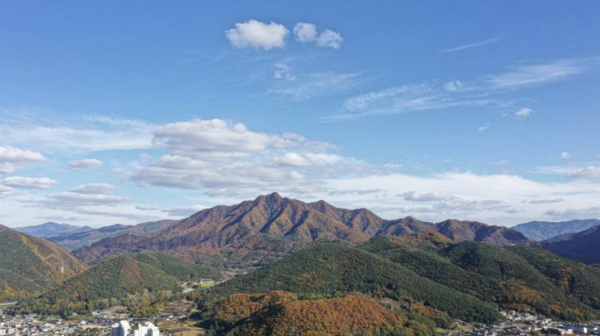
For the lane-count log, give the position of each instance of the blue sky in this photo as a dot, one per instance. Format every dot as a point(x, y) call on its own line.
point(119, 112)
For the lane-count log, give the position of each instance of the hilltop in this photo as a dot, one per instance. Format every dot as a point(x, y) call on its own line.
point(284, 313)
point(30, 264)
point(272, 223)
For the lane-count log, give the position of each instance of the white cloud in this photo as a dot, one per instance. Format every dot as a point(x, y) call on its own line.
point(28, 182)
point(420, 196)
point(471, 45)
point(184, 211)
point(500, 163)
point(317, 85)
point(524, 112)
point(566, 155)
point(454, 86)
point(309, 159)
point(305, 32)
point(456, 93)
point(293, 159)
point(14, 159)
point(78, 198)
point(259, 35)
point(76, 134)
point(94, 188)
point(118, 170)
point(472, 192)
point(585, 173)
point(282, 71)
point(83, 165)
point(483, 128)
point(407, 98)
point(147, 207)
point(216, 155)
point(535, 74)
point(574, 213)
point(6, 191)
point(197, 137)
point(329, 38)
point(547, 201)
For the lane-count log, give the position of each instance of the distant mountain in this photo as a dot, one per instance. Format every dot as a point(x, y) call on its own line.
point(51, 229)
point(582, 246)
point(460, 231)
point(30, 264)
point(272, 223)
point(74, 241)
point(545, 230)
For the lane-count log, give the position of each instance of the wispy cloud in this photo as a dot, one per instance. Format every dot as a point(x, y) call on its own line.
point(471, 45)
point(405, 99)
point(317, 84)
point(487, 90)
point(75, 134)
point(535, 74)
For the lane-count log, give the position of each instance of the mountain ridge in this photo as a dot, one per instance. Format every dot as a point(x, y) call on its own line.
point(284, 219)
point(51, 229)
point(539, 230)
point(73, 241)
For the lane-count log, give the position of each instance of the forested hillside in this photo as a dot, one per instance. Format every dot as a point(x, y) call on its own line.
point(116, 280)
point(332, 269)
point(180, 269)
point(468, 280)
point(518, 278)
point(31, 265)
point(282, 313)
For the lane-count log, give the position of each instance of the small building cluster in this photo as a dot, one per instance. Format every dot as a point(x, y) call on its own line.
point(524, 324)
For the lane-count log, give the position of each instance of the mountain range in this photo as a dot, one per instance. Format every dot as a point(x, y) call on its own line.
point(414, 275)
point(545, 230)
point(80, 239)
point(51, 229)
point(271, 223)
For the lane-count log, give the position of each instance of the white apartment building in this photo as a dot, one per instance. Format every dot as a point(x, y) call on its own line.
point(121, 329)
point(148, 329)
point(124, 329)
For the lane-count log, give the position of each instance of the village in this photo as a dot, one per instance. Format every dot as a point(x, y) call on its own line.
point(170, 320)
point(523, 324)
point(175, 322)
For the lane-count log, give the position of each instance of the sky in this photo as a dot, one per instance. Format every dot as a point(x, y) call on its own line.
point(127, 112)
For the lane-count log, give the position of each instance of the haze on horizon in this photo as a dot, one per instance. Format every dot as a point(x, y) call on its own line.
point(119, 112)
